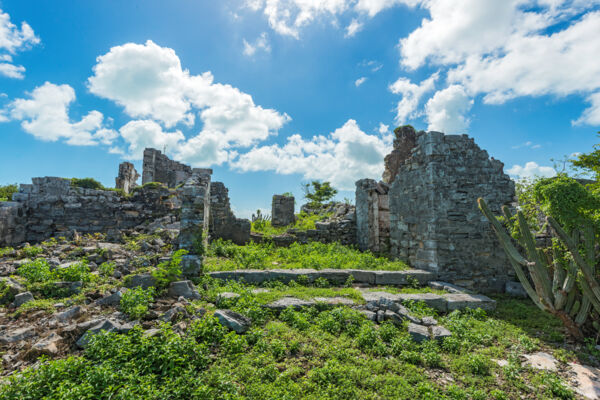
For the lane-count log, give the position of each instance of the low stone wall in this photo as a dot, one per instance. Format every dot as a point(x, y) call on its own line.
point(52, 207)
point(341, 231)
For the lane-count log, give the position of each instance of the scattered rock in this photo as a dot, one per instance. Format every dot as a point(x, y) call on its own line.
point(110, 300)
point(460, 301)
point(541, 360)
point(68, 314)
point(104, 325)
point(22, 298)
point(439, 333)
point(285, 302)
point(170, 315)
point(13, 288)
point(144, 281)
point(47, 346)
point(428, 321)
point(233, 320)
point(17, 335)
point(419, 333)
point(587, 381)
point(184, 289)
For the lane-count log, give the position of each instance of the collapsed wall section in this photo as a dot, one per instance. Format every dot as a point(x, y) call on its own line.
point(435, 223)
point(157, 167)
point(12, 223)
point(222, 222)
point(372, 216)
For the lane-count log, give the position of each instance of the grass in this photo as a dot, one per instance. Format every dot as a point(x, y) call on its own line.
point(225, 256)
point(304, 222)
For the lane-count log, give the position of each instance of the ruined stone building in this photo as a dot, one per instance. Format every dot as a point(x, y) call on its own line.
point(425, 211)
point(157, 167)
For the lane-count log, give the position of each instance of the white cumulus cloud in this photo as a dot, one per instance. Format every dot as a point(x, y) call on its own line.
point(411, 95)
point(531, 170)
point(261, 43)
point(342, 157)
point(353, 27)
point(360, 81)
point(12, 40)
point(446, 110)
point(45, 115)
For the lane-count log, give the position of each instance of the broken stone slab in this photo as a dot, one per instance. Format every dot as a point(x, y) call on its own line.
point(400, 278)
point(586, 381)
point(47, 346)
point(185, 289)
point(389, 315)
point(113, 299)
point(285, 302)
point(362, 276)
point(419, 333)
point(22, 298)
point(335, 301)
point(370, 315)
point(104, 325)
point(144, 281)
point(429, 321)
point(460, 301)
point(191, 265)
point(432, 300)
point(233, 320)
point(448, 287)
point(375, 298)
point(17, 335)
point(541, 360)
point(70, 287)
point(439, 333)
point(68, 314)
point(170, 315)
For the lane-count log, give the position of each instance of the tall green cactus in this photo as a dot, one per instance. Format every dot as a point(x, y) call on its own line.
point(555, 287)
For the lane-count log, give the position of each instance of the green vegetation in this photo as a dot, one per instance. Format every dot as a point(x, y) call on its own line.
point(31, 251)
point(304, 222)
point(318, 193)
point(149, 185)
point(169, 271)
point(6, 192)
point(41, 278)
point(87, 183)
point(135, 302)
point(311, 354)
point(226, 256)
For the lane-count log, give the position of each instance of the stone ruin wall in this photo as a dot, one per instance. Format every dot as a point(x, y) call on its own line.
point(52, 207)
point(435, 223)
point(127, 178)
point(373, 216)
point(157, 167)
point(282, 210)
point(222, 222)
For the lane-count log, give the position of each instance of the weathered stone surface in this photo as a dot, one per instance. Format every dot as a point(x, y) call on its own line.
point(104, 325)
point(16, 335)
point(400, 278)
point(429, 321)
point(113, 299)
point(233, 320)
point(127, 178)
point(157, 167)
point(12, 222)
point(419, 333)
point(222, 222)
point(430, 299)
point(460, 301)
point(448, 287)
point(515, 289)
point(372, 215)
point(586, 381)
point(68, 314)
point(185, 289)
point(12, 289)
point(282, 210)
point(69, 287)
point(171, 314)
point(369, 314)
point(335, 301)
point(144, 281)
point(48, 346)
point(226, 296)
point(440, 333)
point(195, 206)
point(285, 302)
point(404, 143)
point(541, 360)
point(435, 223)
point(191, 265)
point(23, 298)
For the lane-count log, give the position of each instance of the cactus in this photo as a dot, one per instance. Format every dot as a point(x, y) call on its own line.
point(556, 288)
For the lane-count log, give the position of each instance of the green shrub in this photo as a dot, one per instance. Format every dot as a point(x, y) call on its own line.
point(476, 364)
point(106, 269)
point(7, 191)
point(5, 251)
point(86, 183)
point(169, 271)
point(78, 271)
point(32, 251)
point(36, 271)
point(135, 302)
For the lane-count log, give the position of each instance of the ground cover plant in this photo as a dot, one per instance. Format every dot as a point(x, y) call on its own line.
point(304, 221)
point(225, 256)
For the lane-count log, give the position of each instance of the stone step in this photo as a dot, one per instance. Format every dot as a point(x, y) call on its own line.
point(285, 302)
point(443, 303)
point(336, 276)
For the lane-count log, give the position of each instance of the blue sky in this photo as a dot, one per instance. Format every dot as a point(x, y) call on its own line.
point(270, 93)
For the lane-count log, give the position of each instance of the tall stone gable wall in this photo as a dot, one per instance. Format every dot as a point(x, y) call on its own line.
point(435, 223)
point(157, 167)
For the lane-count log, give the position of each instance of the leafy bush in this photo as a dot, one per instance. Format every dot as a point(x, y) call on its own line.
point(169, 271)
point(318, 192)
point(135, 302)
point(32, 251)
point(106, 268)
point(86, 183)
point(7, 191)
point(36, 271)
point(78, 271)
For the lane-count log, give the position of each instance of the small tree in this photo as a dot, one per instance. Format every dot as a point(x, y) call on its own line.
point(318, 192)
